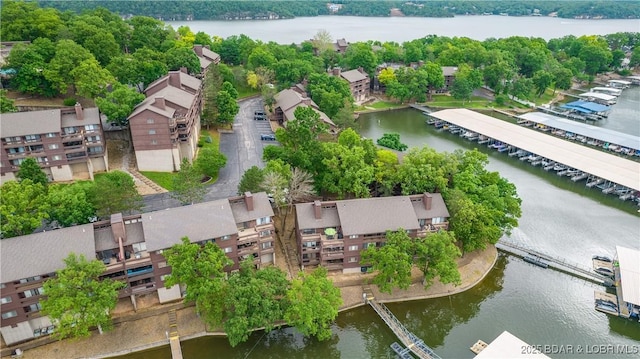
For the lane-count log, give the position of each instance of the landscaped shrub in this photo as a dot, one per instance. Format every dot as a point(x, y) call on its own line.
point(208, 139)
point(69, 101)
point(392, 141)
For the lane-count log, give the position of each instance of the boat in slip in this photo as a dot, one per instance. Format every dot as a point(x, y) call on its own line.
point(536, 261)
point(604, 271)
point(602, 258)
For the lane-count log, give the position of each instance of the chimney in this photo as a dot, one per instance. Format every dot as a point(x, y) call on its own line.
point(317, 209)
point(336, 71)
point(159, 102)
point(427, 201)
point(174, 79)
point(248, 201)
point(118, 232)
point(184, 69)
point(207, 47)
point(361, 70)
point(79, 112)
point(197, 49)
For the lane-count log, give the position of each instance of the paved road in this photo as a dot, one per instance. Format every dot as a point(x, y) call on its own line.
point(243, 149)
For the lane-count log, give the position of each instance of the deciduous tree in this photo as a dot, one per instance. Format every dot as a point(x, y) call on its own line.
point(179, 57)
point(209, 161)
point(118, 104)
point(77, 300)
point(90, 79)
point(392, 262)
point(251, 181)
point(69, 205)
point(435, 256)
point(114, 192)
point(30, 169)
point(314, 303)
point(187, 184)
point(201, 269)
point(23, 208)
point(6, 104)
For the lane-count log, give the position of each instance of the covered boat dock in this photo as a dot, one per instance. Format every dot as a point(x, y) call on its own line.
point(587, 108)
point(588, 134)
point(619, 173)
point(599, 98)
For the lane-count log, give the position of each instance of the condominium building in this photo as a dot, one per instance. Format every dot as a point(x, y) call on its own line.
point(68, 143)
point(333, 233)
point(288, 100)
point(131, 247)
point(165, 127)
point(359, 83)
point(206, 57)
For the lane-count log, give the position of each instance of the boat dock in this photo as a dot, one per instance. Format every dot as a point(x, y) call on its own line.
point(556, 263)
point(410, 341)
point(174, 338)
point(621, 176)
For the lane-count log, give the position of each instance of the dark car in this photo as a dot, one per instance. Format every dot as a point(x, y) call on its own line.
point(260, 118)
point(602, 258)
point(259, 113)
point(268, 137)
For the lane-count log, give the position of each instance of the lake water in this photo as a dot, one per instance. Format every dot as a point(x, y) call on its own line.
point(401, 29)
point(559, 217)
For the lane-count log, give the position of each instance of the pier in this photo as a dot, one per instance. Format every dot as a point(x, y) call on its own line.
point(411, 342)
point(174, 338)
point(556, 263)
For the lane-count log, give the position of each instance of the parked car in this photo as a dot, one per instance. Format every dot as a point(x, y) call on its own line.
point(260, 118)
point(268, 137)
point(259, 113)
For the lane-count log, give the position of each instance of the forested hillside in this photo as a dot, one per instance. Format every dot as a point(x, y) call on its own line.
point(231, 10)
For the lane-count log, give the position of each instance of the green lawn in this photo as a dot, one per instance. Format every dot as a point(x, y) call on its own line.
point(445, 101)
point(162, 179)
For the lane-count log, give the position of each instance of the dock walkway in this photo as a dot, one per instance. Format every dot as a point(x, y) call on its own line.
point(174, 338)
point(408, 339)
point(559, 264)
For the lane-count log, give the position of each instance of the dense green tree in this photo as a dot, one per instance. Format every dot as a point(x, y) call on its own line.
point(29, 61)
point(6, 104)
point(90, 79)
point(23, 208)
point(433, 76)
point(187, 184)
point(385, 172)
point(26, 21)
point(399, 91)
point(466, 81)
point(212, 85)
point(203, 38)
point(209, 161)
point(386, 76)
point(521, 87)
point(69, 56)
point(329, 92)
point(227, 108)
point(228, 87)
point(78, 300)
point(345, 117)
point(596, 58)
point(179, 57)
point(201, 269)
point(118, 104)
point(147, 32)
point(103, 46)
point(69, 205)
point(251, 181)
point(30, 169)
point(435, 256)
point(634, 60)
point(541, 80)
point(361, 54)
point(150, 66)
point(562, 79)
point(314, 303)
point(424, 170)
point(392, 262)
point(260, 57)
point(255, 299)
point(114, 192)
point(496, 76)
point(345, 171)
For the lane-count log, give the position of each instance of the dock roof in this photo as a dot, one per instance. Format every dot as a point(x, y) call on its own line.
point(599, 96)
point(609, 167)
point(599, 133)
point(507, 345)
point(586, 106)
point(629, 261)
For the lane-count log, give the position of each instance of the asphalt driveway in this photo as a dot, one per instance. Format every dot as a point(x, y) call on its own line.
point(243, 149)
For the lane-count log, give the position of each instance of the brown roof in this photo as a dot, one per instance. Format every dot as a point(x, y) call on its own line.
point(199, 222)
point(287, 99)
point(261, 208)
point(305, 214)
point(104, 236)
point(44, 252)
point(90, 116)
point(376, 215)
point(214, 57)
point(353, 76)
point(289, 114)
point(449, 70)
point(438, 208)
point(29, 123)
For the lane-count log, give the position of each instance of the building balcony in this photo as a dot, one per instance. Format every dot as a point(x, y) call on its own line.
point(73, 137)
point(267, 250)
point(73, 149)
point(333, 266)
point(247, 250)
point(17, 155)
point(310, 249)
point(327, 256)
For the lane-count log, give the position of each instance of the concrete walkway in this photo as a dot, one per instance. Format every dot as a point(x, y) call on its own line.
point(148, 328)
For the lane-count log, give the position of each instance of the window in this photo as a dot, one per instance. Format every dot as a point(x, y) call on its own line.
point(69, 130)
point(265, 233)
point(353, 259)
point(6, 300)
point(308, 231)
point(51, 134)
point(92, 150)
point(154, 142)
point(152, 132)
point(224, 238)
point(13, 139)
point(369, 245)
point(437, 220)
point(16, 150)
point(353, 236)
point(17, 162)
point(159, 251)
point(162, 264)
point(421, 222)
point(92, 139)
point(33, 292)
point(33, 308)
point(56, 158)
point(54, 146)
point(32, 138)
point(263, 220)
point(309, 244)
point(10, 314)
point(91, 127)
point(150, 120)
point(42, 160)
point(30, 279)
point(139, 247)
point(267, 245)
point(353, 248)
point(162, 277)
point(228, 250)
